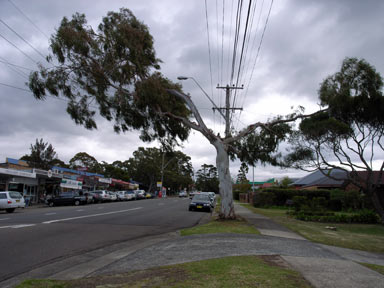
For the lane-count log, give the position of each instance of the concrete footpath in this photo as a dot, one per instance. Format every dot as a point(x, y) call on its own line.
point(321, 265)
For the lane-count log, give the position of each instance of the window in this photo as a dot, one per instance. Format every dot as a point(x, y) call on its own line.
point(3, 196)
point(15, 195)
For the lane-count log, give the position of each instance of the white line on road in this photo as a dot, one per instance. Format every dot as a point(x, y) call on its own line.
point(80, 210)
point(17, 226)
point(92, 215)
point(4, 219)
point(53, 213)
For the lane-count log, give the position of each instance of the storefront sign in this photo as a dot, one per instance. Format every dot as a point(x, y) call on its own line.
point(72, 184)
point(105, 180)
point(159, 184)
point(17, 173)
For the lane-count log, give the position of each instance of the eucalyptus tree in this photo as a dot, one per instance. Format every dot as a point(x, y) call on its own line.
point(42, 156)
point(114, 71)
point(349, 134)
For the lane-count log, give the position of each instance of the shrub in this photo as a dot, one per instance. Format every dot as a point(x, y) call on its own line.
point(363, 216)
point(264, 199)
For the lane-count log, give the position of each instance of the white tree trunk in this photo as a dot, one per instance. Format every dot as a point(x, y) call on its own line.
point(225, 182)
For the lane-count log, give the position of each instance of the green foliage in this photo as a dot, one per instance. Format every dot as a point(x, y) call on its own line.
point(42, 155)
point(240, 188)
point(264, 199)
point(262, 145)
point(111, 70)
point(363, 216)
point(207, 179)
point(242, 176)
point(280, 196)
point(285, 182)
point(82, 159)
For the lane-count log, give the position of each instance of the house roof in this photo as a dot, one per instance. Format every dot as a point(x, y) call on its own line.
point(272, 180)
point(319, 178)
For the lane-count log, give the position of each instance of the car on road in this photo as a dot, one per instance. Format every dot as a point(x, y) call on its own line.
point(140, 194)
point(112, 196)
point(90, 197)
point(67, 198)
point(101, 196)
point(201, 202)
point(121, 196)
point(10, 200)
point(183, 194)
point(130, 195)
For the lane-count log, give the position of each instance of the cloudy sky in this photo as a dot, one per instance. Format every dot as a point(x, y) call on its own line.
point(304, 42)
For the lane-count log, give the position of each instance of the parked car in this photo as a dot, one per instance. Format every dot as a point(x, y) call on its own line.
point(183, 194)
point(67, 198)
point(90, 197)
point(101, 196)
point(112, 195)
point(121, 196)
point(149, 195)
point(140, 194)
point(10, 200)
point(201, 202)
point(211, 196)
point(130, 195)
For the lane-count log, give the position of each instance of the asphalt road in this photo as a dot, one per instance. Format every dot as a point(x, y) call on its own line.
point(30, 238)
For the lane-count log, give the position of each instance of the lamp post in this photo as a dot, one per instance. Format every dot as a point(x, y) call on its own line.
point(205, 93)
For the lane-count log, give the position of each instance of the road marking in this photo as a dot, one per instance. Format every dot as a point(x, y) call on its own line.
point(80, 210)
point(53, 213)
point(92, 215)
point(4, 219)
point(17, 226)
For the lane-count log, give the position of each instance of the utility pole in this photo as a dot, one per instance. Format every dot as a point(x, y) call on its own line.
point(227, 107)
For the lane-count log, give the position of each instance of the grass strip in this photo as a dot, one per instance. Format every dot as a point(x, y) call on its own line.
point(366, 237)
point(239, 271)
point(375, 267)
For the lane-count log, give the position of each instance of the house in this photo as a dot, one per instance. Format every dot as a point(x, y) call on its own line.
point(323, 179)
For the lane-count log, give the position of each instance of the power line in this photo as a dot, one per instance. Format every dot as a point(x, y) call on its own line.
point(209, 47)
point(18, 66)
point(30, 21)
point(26, 55)
point(258, 49)
point(22, 38)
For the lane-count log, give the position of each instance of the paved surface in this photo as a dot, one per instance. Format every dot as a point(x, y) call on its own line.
point(321, 265)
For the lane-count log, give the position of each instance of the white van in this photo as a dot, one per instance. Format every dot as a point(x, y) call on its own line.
point(10, 200)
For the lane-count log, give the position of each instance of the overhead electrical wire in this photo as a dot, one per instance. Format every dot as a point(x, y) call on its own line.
point(25, 54)
point(209, 47)
point(22, 38)
point(30, 21)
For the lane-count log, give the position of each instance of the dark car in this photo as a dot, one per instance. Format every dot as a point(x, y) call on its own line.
point(201, 202)
point(67, 198)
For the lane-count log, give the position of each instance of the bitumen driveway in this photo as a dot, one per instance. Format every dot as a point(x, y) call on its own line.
point(321, 265)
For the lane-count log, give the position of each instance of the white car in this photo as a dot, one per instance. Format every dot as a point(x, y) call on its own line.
point(10, 200)
point(130, 195)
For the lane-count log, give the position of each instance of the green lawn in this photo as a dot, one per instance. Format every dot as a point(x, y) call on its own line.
point(367, 237)
point(219, 226)
point(377, 268)
point(241, 271)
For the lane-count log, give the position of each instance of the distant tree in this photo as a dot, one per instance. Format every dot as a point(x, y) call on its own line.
point(207, 179)
point(42, 155)
point(116, 170)
point(145, 167)
point(242, 176)
point(349, 134)
point(83, 159)
point(285, 182)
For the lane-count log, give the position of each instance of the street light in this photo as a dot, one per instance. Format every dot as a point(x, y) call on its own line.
point(201, 88)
